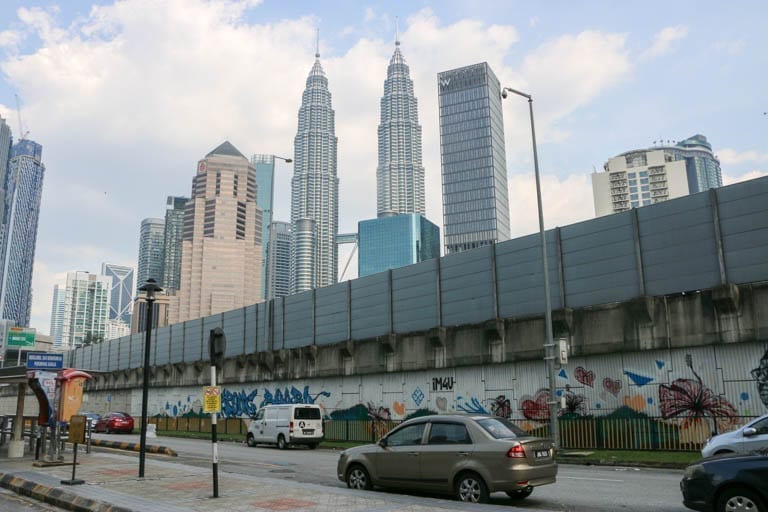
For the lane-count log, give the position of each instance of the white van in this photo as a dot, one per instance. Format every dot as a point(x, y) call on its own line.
point(285, 425)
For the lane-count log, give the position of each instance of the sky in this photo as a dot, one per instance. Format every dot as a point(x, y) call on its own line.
point(126, 96)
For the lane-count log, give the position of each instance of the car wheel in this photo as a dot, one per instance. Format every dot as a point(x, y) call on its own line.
point(281, 442)
point(471, 488)
point(737, 499)
point(312, 446)
point(358, 478)
point(250, 440)
point(520, 494)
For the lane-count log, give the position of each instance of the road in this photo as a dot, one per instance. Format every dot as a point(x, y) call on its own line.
point(12, 502)
point(578, 488)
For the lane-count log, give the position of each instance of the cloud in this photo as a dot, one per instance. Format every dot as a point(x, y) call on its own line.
point(728, 156)
point(751, 175)
point(664, 41)
point(126, 99)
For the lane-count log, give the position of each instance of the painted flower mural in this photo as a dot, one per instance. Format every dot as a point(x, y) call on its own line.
point(692, 401)
point(760, 374)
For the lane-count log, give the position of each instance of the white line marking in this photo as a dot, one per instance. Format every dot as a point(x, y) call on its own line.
point(595, 479)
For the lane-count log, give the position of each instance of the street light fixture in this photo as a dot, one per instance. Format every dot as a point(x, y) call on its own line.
point(549, 344)
point(150, 288)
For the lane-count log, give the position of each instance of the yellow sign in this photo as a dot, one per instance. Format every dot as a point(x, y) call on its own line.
point(211, 399)
point(77, 429)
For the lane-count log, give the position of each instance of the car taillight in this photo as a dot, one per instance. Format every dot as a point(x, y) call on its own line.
point(516, 452)
point(291, 426)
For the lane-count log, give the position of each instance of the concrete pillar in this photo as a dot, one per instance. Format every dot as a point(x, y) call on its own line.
point(16, 445)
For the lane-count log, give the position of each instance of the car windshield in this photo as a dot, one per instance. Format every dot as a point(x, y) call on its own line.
point(306, 413)
point(502, 428)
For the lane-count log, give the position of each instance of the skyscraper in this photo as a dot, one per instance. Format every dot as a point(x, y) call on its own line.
point(174, 231)
point(121, 292)
point(648, 176)
point(5, 153)
point(57, 314)
point(221, 247)
point(21, 211)
point(314, 188)
point(86, 309)
point(393, 241)
point(474, 168)
point(151, 248)
point(279, 260)
point(265, 179)
point(400, 173)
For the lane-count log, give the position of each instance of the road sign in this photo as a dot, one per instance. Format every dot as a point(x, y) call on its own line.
point(21, 337)
point(44, 361)
point(211, 399)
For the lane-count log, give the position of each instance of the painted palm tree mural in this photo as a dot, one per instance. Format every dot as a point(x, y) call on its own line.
point(692, 402)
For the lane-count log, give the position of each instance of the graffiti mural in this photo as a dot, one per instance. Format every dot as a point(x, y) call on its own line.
point(760, 374)
point(584, 376)
point(501, 407)
point(237, 403)
point(473, 406)
point(690, 400)
point(535, 408)
point(575, 405)
point(290, 395)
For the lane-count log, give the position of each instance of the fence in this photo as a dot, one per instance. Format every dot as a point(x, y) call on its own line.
point(592, 433)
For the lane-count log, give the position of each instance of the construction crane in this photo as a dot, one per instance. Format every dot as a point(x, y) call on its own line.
point(22, 133)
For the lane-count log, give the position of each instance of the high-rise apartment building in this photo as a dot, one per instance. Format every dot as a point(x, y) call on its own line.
point(57, 314)
point(393, 241)
point(151, 251)
point(221, 247)
point(86, 309)
point(648, 176)
point(400, 173)
point(279, 260)
point(265, 179)
point(21, 211)
point(174, 231)
point(473, 156)
point(6, 141)
point(121, 293)
point(314, 188)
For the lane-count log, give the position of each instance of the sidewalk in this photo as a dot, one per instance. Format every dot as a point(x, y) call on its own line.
point(112, 485)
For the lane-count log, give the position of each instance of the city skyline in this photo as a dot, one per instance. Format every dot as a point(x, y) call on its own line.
point(587, 68)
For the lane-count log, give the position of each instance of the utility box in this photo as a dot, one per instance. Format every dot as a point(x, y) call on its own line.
point(563, 351)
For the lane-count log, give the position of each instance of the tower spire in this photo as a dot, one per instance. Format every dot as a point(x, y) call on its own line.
point(397, 30)
point(317, 47)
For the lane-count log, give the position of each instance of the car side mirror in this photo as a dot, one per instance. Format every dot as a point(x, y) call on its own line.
point(383, 442)
point(748, 432)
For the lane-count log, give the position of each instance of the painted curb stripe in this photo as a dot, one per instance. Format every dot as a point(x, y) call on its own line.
point(124, 445)
point(57, 497)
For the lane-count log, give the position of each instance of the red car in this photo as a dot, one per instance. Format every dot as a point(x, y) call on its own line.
point(114, 422)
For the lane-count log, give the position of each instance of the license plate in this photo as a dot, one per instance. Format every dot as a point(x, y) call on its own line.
point(308, 431)
point(542, 454)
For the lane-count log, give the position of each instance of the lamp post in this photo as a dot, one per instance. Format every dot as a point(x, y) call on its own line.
point(549, 344)
point(150, 288)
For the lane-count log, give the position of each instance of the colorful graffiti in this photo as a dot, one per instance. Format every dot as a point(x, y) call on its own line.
point(473, 406)
point(584, 376)
point(575, 405)
point(535, 408)
point(760, 374)
point(690, 400)
point(237, 403)
point(501, 407)
point(291, 395)
point(612, 386)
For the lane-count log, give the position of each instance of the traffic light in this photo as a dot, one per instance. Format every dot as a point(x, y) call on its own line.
point(217, 344)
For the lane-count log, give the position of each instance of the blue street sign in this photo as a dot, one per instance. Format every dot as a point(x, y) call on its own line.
point(44, 361)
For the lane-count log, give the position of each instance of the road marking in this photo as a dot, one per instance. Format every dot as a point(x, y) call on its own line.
point(595, 479)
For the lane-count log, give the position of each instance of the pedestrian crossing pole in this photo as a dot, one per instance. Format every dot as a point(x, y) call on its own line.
point(212, 397)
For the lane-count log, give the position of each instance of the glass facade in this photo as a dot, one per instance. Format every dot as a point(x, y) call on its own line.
point(395, 241)
point(400, 173)
point(22, 192)
point(315, 188)
point(86, 309)
point(57, 314)
point(265, 180)
point(172, 243)
point(473, 156)
point(702, 167)
point(151, 248)
point(121, 291)
point(279, 260)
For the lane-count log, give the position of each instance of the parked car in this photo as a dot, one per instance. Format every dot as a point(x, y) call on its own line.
point(91, 417)
point(114, 422)
point(285, 425)
point(752, 436)
point(727, 483)
point(470, 456)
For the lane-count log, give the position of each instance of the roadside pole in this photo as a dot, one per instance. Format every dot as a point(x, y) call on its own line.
point(212, 397)
point(214, 440)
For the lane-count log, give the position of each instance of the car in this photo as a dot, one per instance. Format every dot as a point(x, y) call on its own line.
point(752, 436)
point(90, 419)
point(114, 422)
point(727, 483)
point(470, 456)
point(285, 425)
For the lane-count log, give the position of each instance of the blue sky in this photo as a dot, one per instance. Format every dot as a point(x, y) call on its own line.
point(127, 96)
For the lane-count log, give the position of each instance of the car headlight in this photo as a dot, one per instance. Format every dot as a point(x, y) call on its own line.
point(694, 471)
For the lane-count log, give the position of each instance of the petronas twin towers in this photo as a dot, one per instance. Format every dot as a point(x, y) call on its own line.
point(315, 184)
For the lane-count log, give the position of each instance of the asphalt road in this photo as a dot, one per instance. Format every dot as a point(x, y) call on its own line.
point(578, 488)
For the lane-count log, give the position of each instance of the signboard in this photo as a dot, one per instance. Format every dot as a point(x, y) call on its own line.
point(47, 381)
point(211, 399)
point(21, 337)
point(44, 361)
point(77, 429)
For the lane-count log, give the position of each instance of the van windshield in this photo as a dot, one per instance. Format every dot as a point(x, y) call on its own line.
point(306, 413)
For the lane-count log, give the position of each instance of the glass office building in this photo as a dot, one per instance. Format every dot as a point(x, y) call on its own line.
point(172, 242)
point(265, 181)
point(151, 251)
point(279, 260)
point(121, 292)
point(395, 241)
point(473, 157)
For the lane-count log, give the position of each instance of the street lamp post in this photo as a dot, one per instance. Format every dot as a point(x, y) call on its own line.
point(150, 288)
point(549, 344)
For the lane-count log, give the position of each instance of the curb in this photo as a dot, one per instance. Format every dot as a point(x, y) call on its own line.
point(134, 447)
point(623, 463)
point(57, 497)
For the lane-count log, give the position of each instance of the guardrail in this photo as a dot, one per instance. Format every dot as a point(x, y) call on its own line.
point(595, 433)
